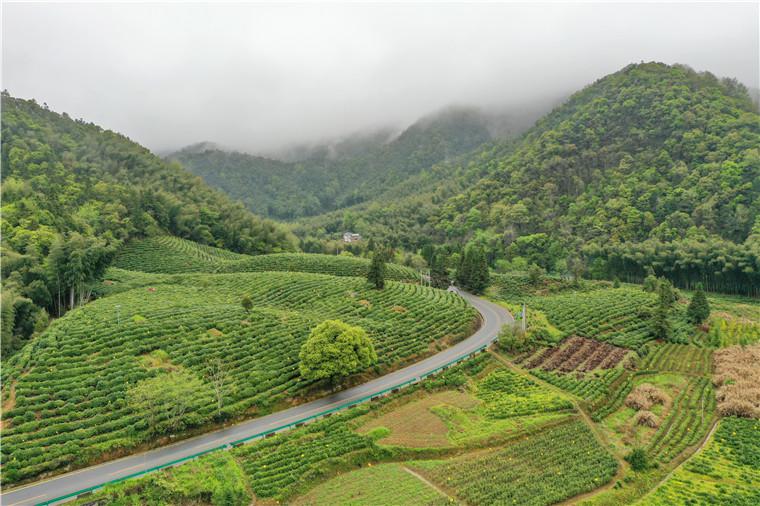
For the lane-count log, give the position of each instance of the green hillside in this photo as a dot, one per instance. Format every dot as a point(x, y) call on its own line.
point(73, 192)
point(171, 255)
point(74, 387)
point(321, 183)
point(654, 165)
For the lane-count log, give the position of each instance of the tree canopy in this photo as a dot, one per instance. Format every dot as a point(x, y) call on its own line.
point(335, 349)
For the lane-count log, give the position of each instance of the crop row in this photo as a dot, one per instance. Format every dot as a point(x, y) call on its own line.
point(543, 469)
point(618, 316)
point(688, 421)
point(577, 354)
point(71, 384)
point(171, 255)
point(678, 358)
point(590, 387)
point(617, 391)
point(726, 471)
point(508, 394)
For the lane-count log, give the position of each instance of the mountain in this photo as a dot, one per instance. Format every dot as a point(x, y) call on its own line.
point(337, 175)
point(652, 166)
point(73, 192)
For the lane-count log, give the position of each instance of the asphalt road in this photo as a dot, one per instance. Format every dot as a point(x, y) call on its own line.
point(493, 317)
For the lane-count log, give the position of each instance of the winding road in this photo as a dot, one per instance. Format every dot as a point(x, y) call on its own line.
point(68, 486)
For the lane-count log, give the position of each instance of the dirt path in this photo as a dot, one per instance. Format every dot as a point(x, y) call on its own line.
point(430, 484)
point(686, 459)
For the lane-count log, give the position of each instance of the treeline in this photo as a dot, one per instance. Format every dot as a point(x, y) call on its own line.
point(72, 193)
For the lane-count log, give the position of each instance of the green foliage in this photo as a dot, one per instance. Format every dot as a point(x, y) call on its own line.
point(699, 308)
point(335, 349)
point(726, 471)
point(546, 468)
point(535, 274)
point(246, 303)
point(439, 273)
point(638, 459)
point(171, 255)
point(508, 394)
point(688, 421)
point(72, 193)
point(473, 273)
point(216, 480)
point(652, 165)
point(169, 402)
point(376, 272)
point(341, 175)
point(513, 340)
point(650, 283)
point(78, 372)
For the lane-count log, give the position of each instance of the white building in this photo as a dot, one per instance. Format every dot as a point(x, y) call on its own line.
point(351, 237)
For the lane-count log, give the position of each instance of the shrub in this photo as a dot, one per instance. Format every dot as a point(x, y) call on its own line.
point(638, 459)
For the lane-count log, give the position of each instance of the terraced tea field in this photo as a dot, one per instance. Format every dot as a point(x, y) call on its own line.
point(171, 255)
point(678, 358)
point(71, 385)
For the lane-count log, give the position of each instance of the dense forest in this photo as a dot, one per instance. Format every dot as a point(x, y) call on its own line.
point(337, 176)
point(72, 193)
point(653, 166)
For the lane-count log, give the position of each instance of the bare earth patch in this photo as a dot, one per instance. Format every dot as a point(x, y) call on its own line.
point(414, 425)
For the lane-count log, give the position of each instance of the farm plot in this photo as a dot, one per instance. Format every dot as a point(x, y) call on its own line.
point(576, 354)
point(71, 383)
point(499, 405)
point(381, 485)
point(687, 423)
point(682, 358)
point(619, 316)
point(171, 255)
point(726, 471)
point(546, 468)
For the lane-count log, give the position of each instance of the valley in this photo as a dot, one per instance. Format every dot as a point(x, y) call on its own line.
point(549, 310)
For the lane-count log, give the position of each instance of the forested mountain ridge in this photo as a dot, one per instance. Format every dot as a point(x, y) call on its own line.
point(323, 182)
point(653, 166)
point(74, 192)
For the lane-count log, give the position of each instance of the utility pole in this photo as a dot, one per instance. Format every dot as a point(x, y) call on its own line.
point(118, 314)
point(523, 319)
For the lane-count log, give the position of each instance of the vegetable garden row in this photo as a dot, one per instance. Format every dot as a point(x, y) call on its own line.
point(678, 358)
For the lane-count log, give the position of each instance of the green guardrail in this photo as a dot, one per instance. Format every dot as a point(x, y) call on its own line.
point(349, 404)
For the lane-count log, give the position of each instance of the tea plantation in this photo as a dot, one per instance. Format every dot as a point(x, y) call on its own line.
point(71, 383)
point(171, 255)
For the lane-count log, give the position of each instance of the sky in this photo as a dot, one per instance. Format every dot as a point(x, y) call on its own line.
point(261, 76)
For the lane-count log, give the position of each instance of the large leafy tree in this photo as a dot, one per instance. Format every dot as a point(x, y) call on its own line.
point(335, 349)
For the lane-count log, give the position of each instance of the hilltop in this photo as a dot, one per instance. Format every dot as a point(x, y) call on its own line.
point(652, 165)
point(333, 176)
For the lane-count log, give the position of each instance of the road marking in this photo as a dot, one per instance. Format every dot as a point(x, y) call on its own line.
point(30, 499)
point(125, 469)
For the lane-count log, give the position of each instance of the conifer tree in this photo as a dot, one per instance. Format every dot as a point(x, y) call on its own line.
point(439, 275)
point(376, 273)
point(479, 274)
point(699, 308)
